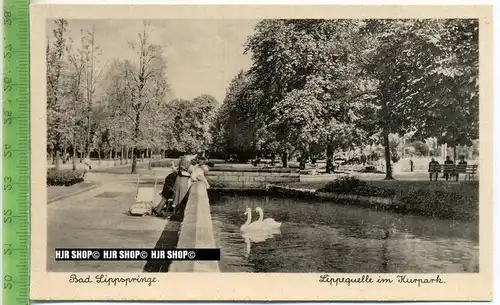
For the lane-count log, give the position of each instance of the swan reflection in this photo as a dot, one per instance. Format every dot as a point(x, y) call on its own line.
point(259, 230)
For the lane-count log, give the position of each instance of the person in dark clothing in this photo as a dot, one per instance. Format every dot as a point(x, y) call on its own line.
point(431, 172)
point(448, 161)
point(167, 191)
point(411, 165)
point(463, 165)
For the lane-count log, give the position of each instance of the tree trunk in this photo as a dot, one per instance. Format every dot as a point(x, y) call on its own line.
point(126, 155)
point(88, 136)
point(149, 161)
point(99, 157)
point(136, 136)
point(454, 153)
point(74, 152)
point(388, 166)
point(58, 159)
point(64, 155)
point(81, 152)
point(330, 150)
point(134, 160)
point(121, 156)
point(284, 159)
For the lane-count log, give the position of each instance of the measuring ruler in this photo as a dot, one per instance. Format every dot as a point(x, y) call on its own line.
point(16, 153)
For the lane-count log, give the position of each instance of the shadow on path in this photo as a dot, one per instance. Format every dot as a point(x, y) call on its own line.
point(168, 240)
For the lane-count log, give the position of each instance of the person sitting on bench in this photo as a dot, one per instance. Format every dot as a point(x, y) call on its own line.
point(432, 170)
point(462, 167)
point(167, 192)
point(448, 161)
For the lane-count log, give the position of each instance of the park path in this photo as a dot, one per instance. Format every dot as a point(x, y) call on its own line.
point(98, 219)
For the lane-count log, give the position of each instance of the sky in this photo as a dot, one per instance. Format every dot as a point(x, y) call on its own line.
point(202, 55)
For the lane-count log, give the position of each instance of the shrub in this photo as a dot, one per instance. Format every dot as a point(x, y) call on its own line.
point(343, 185)
point(163, 163)
point(64, 177)
point(374, 191)
point(440, 204)
point(354, 186)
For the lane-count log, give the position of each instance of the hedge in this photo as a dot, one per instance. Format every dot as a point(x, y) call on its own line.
point(354, 186)
point(167, 163)
point(228, 168)
point(64, 177)
point(440, 203)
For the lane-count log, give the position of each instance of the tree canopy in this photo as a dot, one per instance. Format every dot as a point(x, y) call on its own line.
point(315, 87)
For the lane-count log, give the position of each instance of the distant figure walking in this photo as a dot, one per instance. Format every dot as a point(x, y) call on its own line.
point(411, 165)
point(432, 171)
point(182, 182)
point(87, 165)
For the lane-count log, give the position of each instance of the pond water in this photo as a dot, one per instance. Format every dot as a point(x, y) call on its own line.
point(337, 238)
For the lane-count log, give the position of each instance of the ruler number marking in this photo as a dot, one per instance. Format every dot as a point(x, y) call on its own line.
point(7, 215)
point(7, 184)
point(7, 120)
point(7, 279)
point(7, 84)
point(7, 249)
point(8, 51)
point(15, 120)
point(7, 18)
point(7, 152)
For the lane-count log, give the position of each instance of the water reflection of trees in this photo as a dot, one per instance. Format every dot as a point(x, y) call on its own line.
point(319, 237)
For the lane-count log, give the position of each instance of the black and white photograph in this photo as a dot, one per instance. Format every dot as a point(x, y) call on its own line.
point(294, 145)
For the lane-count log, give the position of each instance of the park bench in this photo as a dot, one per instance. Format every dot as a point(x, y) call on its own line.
point(454, 170)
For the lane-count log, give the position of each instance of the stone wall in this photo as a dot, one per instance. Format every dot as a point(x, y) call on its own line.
point(249, 179)
point(196, 231)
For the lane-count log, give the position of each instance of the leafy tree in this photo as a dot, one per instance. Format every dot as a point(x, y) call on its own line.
point(75, 80)
point(55, 54)
point(407, 59)
point(235, 126)
point(146, 83)
point(205, 110)
point(308, 61)
point(92, 75)
point(454, 115)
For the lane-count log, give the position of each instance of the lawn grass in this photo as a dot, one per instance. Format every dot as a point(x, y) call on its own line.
point(467, 189)
point(58, 191)
point(122, 169)
point(430, 198)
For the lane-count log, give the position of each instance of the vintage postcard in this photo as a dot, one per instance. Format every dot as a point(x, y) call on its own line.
point(259, 153)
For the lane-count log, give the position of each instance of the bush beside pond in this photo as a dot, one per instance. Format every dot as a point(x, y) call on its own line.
point(167, 162)
point(440, 203)
point(429, 198)
point(354, 186)
point(64, 177)
point(253, 169)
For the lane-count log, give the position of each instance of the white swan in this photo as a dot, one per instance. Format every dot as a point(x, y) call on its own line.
point(247, 226)
point(268, 222)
